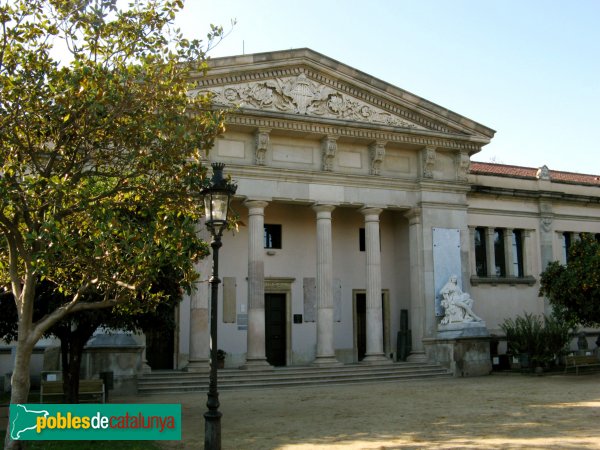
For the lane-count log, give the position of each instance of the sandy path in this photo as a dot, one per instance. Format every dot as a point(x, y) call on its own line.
point(495, 412)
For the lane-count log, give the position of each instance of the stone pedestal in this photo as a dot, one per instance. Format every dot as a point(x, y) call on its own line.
point(463, 348)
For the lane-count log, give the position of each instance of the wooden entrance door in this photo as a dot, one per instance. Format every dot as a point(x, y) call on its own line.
point(275, 329)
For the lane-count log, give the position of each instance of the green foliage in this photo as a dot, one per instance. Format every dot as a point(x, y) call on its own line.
point(100, 157)
point(574, 289)
point(543, 338)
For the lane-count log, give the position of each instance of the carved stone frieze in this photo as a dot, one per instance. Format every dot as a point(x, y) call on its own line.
point(262, 144)
point(376, 153)
point(463, 163)
point(428, 160)
point(300, 95)
point(329, 149)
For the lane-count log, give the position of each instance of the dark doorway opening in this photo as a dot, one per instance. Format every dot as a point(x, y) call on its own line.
point(160, 343)
point(275, 329)
point(361, 323)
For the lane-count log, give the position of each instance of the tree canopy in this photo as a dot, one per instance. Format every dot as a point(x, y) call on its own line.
point(101, 154)
point(574, 289)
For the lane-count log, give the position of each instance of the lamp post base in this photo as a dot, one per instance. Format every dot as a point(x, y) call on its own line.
point(212, 430)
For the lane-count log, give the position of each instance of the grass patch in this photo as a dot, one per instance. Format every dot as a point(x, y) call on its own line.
point(87, 445)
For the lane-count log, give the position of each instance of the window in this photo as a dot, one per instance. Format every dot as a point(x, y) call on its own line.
point(272, 236)
point(507, 253)
point(499, 260)
point(361, 239)
point(480, 253)
point(517, 253)
point(566, 244)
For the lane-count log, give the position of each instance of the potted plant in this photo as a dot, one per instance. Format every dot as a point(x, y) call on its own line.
point(221, 358)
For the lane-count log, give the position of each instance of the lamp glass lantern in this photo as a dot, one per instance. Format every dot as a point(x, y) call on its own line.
point(216, 200)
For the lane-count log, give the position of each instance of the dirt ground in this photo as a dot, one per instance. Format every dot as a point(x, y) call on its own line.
point(496, 412)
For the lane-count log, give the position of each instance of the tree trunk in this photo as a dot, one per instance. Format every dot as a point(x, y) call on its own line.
point(20, 384)
point(72, 343)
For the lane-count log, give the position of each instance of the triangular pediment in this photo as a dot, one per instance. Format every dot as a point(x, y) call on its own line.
point(302, 96)
point(307, 84)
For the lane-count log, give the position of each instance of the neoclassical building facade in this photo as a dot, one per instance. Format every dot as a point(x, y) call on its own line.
point(356, 201)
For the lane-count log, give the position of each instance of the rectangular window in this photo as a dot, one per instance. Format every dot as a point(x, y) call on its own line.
point(566, 246)
point(361, 239)
point(507, 252)
point(272, 236)
point(517, 253)
point(480, 253)
point(499, 252)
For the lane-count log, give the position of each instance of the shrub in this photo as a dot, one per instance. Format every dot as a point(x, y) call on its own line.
point(543, 338)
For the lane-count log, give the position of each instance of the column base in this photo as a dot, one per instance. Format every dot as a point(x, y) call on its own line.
point(198, 365)
point(322, 361)
point(417, 357)
point(375, 359)
point(256, 364)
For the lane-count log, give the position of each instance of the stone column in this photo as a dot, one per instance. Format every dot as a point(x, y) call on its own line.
point(490, 252)
point(374, 351)
point(325, 350)
point(472, 251)
point(417, 284)
point(199, 352)
point(256, 355)
point(508, 253)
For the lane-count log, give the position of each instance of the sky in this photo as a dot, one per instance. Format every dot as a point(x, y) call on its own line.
point(528, 69)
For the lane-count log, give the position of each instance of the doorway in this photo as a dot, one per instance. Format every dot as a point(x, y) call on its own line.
point(160, 340)
point(360, 323)
point(275, 329)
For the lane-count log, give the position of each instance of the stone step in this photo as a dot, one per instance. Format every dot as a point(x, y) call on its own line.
point(285, 371)
point(276, 376)
point(230, 379)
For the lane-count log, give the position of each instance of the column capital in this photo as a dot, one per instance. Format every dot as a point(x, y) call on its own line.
point(323, 208)
point(371, 211)
point(256, 204)
point(413, 216)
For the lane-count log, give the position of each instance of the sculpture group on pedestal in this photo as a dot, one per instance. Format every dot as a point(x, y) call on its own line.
point(457, 304)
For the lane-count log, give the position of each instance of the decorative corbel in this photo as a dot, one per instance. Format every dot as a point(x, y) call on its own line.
point(463, 163)
point(329, 149)
point(262, 144)
point(377, 154)
point(428, 160)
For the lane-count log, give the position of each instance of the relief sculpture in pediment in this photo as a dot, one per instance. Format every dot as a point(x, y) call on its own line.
point(299, 95)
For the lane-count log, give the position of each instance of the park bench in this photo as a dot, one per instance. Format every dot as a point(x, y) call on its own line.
point(581, 361)
point(88, 390)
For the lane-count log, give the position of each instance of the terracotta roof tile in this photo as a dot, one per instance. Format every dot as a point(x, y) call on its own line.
point(481, 168)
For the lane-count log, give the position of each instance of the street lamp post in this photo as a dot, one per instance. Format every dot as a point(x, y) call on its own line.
point(216, 204)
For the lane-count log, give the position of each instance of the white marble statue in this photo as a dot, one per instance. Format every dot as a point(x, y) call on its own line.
point(457, 304)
